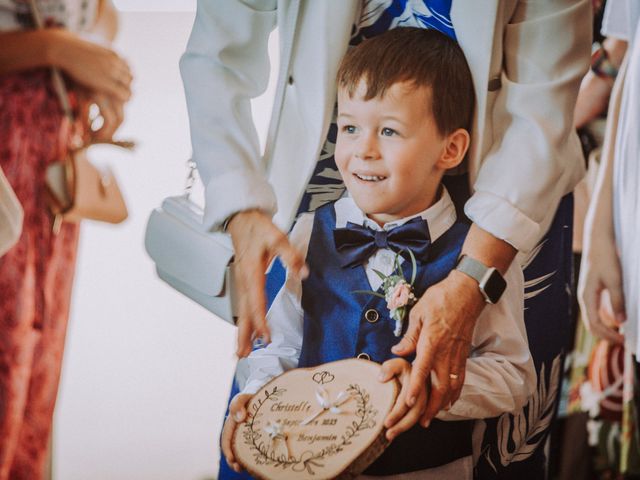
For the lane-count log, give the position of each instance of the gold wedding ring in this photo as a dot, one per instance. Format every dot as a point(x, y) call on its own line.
point(453, 376)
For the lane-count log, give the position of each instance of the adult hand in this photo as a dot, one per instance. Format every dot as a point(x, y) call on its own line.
point(440, 330)
point(237, 414)
point(96, 68)
point(256, 241)
point(600, 271)
point(112, 112)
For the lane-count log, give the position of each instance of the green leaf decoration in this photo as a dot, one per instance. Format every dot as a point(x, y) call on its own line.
point(398, 266)
point(369, 292)
point(382, 276)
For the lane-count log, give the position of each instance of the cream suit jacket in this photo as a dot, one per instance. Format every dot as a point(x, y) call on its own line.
point(526, 57)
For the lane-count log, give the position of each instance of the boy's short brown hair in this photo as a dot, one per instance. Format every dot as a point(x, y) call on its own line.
point(427, 58)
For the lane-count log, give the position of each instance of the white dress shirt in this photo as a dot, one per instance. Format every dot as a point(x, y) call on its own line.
point(499, 373)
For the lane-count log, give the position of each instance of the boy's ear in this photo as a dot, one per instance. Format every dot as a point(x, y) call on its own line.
point(456, 146)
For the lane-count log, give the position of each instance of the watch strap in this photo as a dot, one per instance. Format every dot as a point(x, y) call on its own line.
point(472, 267)
point(490, 282)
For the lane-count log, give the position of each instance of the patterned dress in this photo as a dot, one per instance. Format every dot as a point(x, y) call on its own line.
point(511, 446)
point(36, 275)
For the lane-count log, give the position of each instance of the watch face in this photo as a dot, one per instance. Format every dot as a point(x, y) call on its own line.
point(494, 286)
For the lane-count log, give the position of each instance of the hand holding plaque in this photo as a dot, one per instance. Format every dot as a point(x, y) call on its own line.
point(317, 423)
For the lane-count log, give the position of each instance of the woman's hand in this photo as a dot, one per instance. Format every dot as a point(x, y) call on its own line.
point(237, 414)
point(600, 272)
point(256, 241)
point(96, 68)
point(402, 417)
point(440, 330)
point(112, 112)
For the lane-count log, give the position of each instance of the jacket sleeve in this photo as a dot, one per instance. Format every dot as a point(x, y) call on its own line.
point(225, 65)
point(535, 157)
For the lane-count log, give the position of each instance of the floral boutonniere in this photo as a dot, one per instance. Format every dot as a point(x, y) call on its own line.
point(398, 293)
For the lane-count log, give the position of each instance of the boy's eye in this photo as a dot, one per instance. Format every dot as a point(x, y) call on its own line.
point(388, 132)
point(349, 129)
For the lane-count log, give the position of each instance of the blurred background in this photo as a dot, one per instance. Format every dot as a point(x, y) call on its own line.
point(146, 372)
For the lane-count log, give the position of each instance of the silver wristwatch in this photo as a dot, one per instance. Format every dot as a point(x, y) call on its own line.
point(490, 282)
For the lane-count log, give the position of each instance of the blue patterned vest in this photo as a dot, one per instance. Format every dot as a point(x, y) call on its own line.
point(340, 324)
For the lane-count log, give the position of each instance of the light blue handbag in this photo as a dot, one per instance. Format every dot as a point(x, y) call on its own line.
point(194, 261)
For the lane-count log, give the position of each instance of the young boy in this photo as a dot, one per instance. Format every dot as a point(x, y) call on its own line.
point(405, 101)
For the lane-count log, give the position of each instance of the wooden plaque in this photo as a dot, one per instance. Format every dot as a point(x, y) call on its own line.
point(316, 423)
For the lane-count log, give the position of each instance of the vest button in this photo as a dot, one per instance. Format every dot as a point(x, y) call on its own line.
point(371, 315)
point(364, 356)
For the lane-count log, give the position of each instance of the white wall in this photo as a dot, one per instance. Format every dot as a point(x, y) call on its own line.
point(146, 372)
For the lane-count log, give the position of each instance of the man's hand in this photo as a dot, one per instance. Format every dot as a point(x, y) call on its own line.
point(256, 241)
point(440, 330)
point(402, 417)
point(237, 414)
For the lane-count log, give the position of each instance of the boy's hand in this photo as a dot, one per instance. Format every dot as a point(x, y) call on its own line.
point(237, 414)
point(401, 418)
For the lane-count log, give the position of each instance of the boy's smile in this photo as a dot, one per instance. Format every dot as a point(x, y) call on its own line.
point(389, 151)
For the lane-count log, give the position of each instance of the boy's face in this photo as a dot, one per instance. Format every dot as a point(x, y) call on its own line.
point(388, 150)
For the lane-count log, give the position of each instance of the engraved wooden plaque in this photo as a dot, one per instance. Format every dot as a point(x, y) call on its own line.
point(316, 423)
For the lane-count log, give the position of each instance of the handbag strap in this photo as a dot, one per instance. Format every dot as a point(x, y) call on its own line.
point(56, 77)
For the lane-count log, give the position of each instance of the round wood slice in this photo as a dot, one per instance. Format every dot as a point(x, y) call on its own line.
point(292, 431)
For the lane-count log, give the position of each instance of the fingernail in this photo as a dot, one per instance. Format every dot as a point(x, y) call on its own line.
point(426, 423)
point(381, 377)
point(396, 348)
point(621, 317)
point(238, 416)
point(412, 401)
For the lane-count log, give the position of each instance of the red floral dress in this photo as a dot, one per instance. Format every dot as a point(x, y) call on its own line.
point(36, 275)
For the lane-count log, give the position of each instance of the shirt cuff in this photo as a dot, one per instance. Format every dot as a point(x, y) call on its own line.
point(502, 220)
point(253, 386)
point(234, 192)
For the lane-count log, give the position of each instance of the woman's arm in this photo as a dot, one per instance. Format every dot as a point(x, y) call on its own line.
point(596, 89)
point(600, 266)
point(97, 68)
point(106, 25)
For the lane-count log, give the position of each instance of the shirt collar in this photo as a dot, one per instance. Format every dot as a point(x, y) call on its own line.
point(440, 216)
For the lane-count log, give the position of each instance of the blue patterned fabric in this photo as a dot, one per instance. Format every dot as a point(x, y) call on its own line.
point(513, 445)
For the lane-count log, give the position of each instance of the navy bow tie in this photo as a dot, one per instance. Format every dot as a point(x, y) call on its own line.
point(356, 243)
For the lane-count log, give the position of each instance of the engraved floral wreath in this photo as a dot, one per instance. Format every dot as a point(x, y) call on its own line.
point(308, 459)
